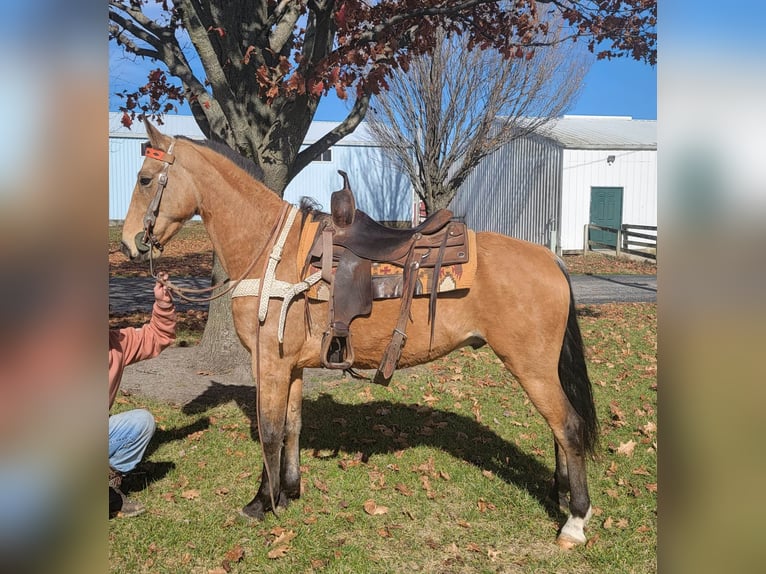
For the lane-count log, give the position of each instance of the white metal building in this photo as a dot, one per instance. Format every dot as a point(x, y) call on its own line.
point(581, 169)
point(543, 188)
point(381, 190)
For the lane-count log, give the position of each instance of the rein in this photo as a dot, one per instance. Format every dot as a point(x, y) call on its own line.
point(150, 218)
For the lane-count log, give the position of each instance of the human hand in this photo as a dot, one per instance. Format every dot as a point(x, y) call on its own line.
point(161, 292)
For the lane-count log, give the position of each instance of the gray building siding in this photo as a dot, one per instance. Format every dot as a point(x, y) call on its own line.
point(515, 191)
point(381, 190)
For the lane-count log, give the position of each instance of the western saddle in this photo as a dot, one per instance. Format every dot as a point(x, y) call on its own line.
point(345, 247)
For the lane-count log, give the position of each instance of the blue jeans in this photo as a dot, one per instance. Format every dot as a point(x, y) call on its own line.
point(129, 435)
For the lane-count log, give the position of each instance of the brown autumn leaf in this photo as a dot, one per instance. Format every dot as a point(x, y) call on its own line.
point(190, 494)
point(321, 486)
point(404, 489)
point(279, 552)
point(219, 570)
point(622, 523)
point(236, 554)
point(652, 487)
point(283, 538)
point(473, 547)
point(648, 429)
point(608, 523)
point(371, 508)
point(196, 435)
point(626, 448)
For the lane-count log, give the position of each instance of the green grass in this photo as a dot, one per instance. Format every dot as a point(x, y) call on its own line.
point(453, 450)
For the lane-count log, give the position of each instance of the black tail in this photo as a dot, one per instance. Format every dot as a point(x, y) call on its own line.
point(573, 374)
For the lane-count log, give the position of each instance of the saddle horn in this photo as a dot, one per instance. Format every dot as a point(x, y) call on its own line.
point(343, 204)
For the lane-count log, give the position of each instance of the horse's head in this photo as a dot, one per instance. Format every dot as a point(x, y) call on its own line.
point(161, 202)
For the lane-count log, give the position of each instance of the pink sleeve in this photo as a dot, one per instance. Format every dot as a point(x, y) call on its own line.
point(150, 339)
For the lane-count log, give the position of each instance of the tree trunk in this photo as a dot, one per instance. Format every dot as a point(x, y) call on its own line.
point(219, 349)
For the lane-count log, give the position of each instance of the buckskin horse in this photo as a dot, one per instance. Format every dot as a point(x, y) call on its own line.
point(520, 303)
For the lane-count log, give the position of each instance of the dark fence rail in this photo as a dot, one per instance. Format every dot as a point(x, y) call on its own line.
point(640, 240)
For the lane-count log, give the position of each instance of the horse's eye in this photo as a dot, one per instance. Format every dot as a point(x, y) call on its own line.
point(144, 180)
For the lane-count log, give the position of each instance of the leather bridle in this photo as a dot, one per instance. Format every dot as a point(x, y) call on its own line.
point(150, 218)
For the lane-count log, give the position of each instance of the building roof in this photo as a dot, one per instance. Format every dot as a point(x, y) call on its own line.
point(603, 132)
point(572, 132)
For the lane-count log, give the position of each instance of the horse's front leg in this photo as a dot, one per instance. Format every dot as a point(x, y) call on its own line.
point(291, 458)
point(273, 392)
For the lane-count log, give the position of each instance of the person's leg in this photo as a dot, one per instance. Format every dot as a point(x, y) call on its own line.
point(129, 435)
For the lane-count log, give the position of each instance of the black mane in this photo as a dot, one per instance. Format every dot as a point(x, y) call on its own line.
point(245, 163)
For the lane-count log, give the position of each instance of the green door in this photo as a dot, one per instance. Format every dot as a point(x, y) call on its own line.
point(605, 210)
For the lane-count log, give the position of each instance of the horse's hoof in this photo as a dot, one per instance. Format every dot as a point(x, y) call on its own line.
point(572, 533)
point(567, 542)
point(253, 512)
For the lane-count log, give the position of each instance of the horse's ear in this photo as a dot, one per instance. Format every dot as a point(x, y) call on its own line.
point(156, 139)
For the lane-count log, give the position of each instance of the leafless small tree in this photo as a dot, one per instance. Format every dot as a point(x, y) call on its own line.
point(449, 110)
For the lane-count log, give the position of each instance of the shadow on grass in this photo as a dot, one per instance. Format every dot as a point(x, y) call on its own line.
point(148, 472)
point(329, 425)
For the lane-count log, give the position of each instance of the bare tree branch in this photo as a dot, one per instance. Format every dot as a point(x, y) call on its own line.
point(456, 106)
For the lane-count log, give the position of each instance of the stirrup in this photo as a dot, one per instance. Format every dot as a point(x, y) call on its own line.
point(337, 352)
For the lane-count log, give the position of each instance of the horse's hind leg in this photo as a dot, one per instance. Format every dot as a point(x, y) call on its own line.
point(571, 471)
point(570, 479)
point(560, 490)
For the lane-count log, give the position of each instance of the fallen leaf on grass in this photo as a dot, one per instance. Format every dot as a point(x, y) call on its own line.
point(371, 508)
point(218, 570)
point(196, 435)
point(234, 555)
point(321, 486)
point(626, 448)
point(404, 489)
point(278, 552)
point(592, 541)
point(283, 537)
point(190, 494)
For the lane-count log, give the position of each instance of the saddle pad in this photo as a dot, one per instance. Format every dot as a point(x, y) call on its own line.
point(387, 278)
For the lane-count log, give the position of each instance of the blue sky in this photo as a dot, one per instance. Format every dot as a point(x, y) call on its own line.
point(620, 87)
